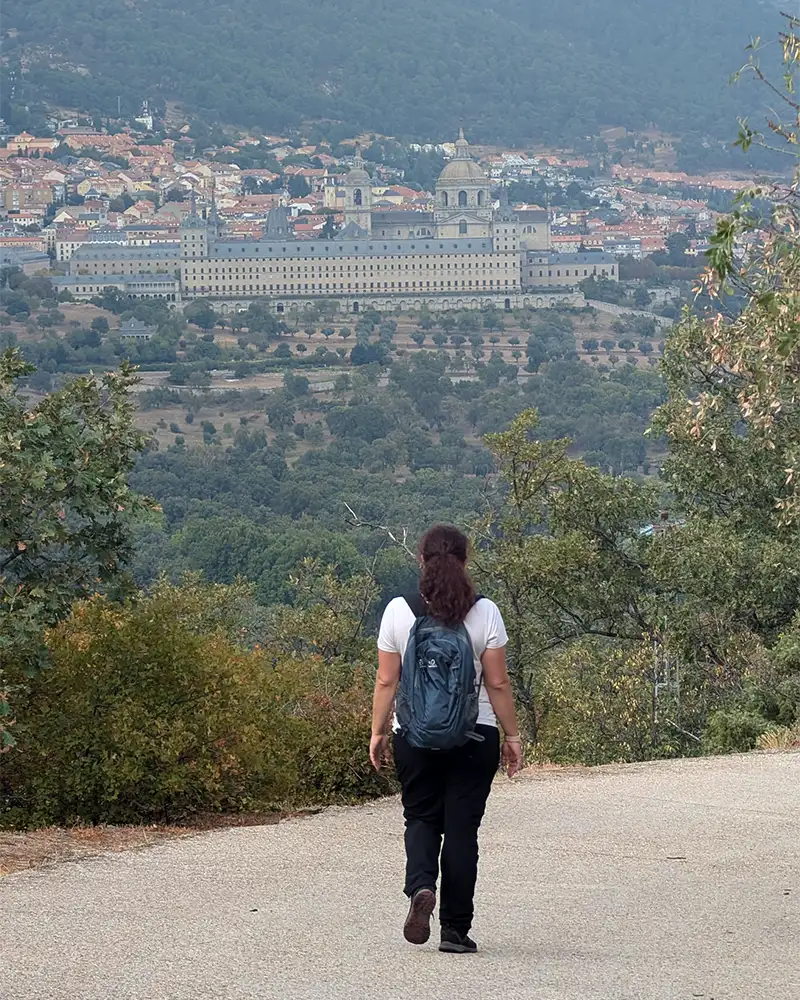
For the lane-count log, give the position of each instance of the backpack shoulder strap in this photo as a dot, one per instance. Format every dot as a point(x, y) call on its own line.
point(417, 605)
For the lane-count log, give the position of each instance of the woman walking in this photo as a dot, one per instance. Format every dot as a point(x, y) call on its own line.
point(445, 736)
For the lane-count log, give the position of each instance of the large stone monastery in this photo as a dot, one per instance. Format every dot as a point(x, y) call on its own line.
point(464, 254)
point(467, 253)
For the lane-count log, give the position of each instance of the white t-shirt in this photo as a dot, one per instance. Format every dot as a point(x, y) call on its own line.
point(484, 625)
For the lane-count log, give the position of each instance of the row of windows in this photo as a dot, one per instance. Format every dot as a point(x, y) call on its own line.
point(340, 286)
point(136, 253)
point(419, 261)
point(307, 248)
point(462, 199)
point(139, 286)
point(130, 268)
point(340, 269)
point(577, 272)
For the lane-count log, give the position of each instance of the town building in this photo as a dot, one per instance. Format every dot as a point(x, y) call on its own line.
point(23, 241)
point(27, 260)
point(26, 144)
point(546, 271)
point(624, 247)
point(534, 227)
point(83, 288)
point(117, 258)
point(135, 329)
point(17, 197)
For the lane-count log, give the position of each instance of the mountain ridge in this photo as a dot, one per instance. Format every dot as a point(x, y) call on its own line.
point(513, 71)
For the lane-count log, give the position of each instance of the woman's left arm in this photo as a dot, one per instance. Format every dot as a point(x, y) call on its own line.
point(382, 700)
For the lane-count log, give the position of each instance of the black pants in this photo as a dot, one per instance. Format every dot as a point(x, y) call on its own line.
point(444, 795)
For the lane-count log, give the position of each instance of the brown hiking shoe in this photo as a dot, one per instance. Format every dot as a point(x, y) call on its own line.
point(417, 928)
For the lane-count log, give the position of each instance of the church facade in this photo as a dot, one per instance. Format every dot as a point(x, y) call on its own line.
point(464, 254)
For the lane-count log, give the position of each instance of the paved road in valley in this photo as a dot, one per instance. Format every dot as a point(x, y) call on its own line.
point(666, 881)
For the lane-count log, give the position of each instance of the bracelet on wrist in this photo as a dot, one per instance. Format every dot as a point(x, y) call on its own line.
point(512, 739)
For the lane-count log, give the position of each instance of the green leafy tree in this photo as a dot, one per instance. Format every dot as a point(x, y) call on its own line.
point(67, 510)
point(297, 186)
point(329, 229)
point(201, 313)
point(281, 410)
point(557, 543)
point(492, 320)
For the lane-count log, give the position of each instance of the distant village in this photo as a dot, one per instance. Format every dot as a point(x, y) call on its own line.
point(96, 210)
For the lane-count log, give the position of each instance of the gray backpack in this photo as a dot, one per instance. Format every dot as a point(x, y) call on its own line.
point(437, 699)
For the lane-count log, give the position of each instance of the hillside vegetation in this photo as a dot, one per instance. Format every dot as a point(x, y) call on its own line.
point(515, 70)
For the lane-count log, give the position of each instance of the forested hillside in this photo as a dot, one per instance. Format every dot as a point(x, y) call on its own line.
point(251, 503)
point(515, 70)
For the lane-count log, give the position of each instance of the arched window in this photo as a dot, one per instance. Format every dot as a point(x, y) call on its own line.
point(445, 199)
point(357, 198)
point(480, 199)
point(462, 228)
point(462, 199)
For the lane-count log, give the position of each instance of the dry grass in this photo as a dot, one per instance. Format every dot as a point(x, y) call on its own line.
point(54, 845)
point(34, 849)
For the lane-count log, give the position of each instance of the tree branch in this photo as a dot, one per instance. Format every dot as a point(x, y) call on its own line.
point(357, 522)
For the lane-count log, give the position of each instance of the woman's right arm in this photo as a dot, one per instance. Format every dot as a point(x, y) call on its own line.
point(498, 687)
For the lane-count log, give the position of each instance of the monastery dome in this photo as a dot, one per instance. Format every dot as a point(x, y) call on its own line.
point(462, 168)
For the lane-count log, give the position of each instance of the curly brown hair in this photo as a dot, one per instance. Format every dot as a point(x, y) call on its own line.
point(444, 583)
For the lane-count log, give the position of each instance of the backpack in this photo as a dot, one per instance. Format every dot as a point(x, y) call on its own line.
point(437, 699)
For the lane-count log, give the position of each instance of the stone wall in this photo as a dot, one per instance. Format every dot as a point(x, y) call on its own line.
point(355, 304)
point(615, 310)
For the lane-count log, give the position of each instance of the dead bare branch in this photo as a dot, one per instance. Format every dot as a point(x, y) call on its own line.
point(355, 521)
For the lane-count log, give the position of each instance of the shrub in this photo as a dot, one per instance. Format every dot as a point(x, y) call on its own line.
point(599, 707)
point(733, 730)
point(152, 712)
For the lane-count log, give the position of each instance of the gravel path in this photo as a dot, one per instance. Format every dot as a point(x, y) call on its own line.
point(649, 882)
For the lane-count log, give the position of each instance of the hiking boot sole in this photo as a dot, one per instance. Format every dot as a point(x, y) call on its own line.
point(417, 928)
